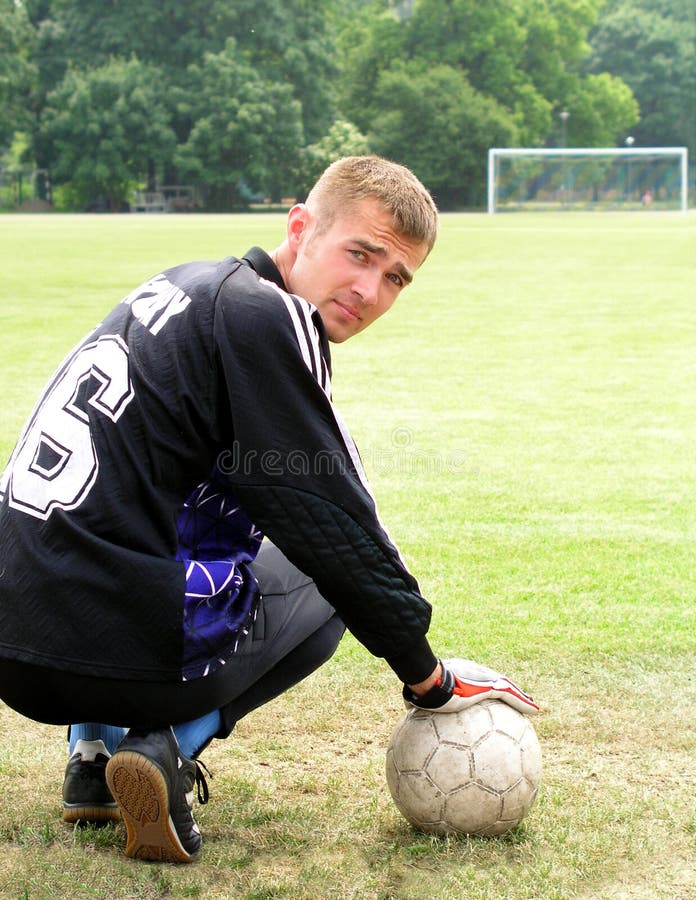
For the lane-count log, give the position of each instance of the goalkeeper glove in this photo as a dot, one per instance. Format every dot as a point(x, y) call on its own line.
point(464, 683)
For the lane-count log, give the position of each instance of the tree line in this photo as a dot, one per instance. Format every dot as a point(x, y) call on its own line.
point(249, 99)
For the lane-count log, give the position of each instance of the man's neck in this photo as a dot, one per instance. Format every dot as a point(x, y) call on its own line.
point(280, 257)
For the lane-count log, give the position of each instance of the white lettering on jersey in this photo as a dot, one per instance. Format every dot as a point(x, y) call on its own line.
point(154, 303)
point(55, 463)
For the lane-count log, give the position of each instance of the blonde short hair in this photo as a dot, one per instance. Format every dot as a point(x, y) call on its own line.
point(352, 179)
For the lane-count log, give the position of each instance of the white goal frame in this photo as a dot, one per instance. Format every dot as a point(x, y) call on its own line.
point(497, 153)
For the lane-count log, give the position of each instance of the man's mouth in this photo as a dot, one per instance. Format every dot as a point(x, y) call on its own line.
point(348, 311)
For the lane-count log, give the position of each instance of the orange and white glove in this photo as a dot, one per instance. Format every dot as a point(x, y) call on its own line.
point(464, 683)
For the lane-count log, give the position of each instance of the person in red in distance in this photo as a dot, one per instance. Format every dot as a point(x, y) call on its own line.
point(186, 529)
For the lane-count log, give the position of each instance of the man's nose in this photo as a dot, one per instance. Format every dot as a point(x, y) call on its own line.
point(368, 286)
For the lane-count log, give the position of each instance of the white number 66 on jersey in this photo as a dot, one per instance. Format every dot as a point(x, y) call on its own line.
point(55, 462)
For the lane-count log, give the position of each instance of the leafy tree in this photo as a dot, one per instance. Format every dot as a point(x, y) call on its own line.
point(240, 88)
point(285, 48)
point(342, 139)
point(366, 48)
point(485, 40)
point(528, 56)
point(520, 54)
point(555, 42)
point(167, 33)
point(105, 130)
point(286, 41)
point(292, 42)
point(505, 68)
point(435, 122)
point(17, 69)
point(553, 49)
point(247, 132)
point(603, 108)
point(650, 44)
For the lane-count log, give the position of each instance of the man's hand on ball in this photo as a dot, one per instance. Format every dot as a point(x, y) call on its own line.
point(463, 683)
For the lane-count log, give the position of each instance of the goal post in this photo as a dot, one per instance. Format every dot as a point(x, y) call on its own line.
point(573, 178)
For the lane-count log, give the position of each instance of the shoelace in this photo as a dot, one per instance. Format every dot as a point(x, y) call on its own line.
point(201, 784)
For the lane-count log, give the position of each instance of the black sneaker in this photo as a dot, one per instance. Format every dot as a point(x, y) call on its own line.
point(152, 783)
point(86, 797)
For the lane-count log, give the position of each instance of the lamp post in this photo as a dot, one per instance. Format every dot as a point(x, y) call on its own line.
point(630, 140)
point(564, 115)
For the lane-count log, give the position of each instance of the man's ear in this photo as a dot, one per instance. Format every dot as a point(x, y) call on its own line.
point(299, 219)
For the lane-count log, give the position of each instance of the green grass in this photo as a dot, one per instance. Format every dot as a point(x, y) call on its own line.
point(526, 415)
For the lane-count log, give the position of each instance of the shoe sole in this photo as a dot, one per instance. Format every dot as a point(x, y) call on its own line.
point(95, 815)
point(140, 790)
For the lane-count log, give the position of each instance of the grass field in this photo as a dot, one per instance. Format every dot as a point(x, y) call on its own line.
point(527, 415)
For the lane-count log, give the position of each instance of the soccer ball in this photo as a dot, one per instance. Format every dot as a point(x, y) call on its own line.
point(476, 771)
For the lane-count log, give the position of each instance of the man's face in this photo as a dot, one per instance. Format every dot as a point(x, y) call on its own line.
point(353, 271)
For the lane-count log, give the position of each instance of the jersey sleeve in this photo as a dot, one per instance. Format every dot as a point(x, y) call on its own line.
point(294, 467)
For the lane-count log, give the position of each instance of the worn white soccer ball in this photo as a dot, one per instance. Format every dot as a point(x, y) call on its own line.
point(476, 771)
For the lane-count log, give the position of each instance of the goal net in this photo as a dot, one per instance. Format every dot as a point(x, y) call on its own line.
point(587, 178)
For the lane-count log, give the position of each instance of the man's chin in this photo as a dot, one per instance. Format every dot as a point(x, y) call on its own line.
point(338, 332)
point(338, 337)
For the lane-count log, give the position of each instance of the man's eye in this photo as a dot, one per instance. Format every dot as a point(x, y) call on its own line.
point(395, 279)
point(359, 254)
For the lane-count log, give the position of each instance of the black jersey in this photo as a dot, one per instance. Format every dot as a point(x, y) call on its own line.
point(210, 367)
